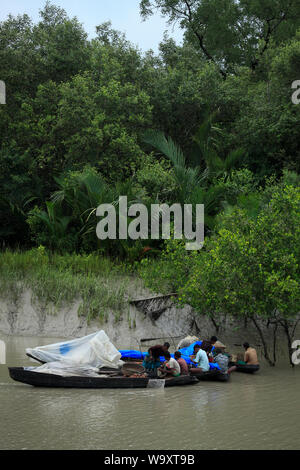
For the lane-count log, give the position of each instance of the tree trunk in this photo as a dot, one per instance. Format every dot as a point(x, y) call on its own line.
point(266, 353)
point(285, 325)
point(275, 342)
point(216, 325)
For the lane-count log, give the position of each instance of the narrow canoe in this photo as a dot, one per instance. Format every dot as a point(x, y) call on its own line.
point(247, 368)
point(211, 376)
point(37, 379)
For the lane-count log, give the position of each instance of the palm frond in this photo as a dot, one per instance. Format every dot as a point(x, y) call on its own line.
point(234, 157)
point(166, 146)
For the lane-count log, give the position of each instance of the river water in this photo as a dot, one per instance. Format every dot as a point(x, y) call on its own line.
point(250, 412)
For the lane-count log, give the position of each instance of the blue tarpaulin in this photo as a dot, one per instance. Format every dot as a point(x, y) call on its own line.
point(185, 354)
point(132, 354)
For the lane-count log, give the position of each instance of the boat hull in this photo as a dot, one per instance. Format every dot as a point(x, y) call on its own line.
point(211, 376)
point(37, 379)
point(247, 369)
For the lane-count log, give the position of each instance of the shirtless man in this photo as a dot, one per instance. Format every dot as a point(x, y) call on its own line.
point(159, 350)
point(250, 355)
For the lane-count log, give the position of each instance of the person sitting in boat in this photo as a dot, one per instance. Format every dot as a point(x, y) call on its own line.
point(184, 369)
point(151, 365)
point(250, 357)
point(200, 358)
point(170, 367)
point(222, 360)
point(159, 350)
point(219, 345)
point(208, 345)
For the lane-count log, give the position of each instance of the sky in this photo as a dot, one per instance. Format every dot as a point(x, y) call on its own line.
point(124, 15)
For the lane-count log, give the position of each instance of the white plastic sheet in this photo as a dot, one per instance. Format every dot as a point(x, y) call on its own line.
point(94, 350)
point(2, 352)
point(66, 369)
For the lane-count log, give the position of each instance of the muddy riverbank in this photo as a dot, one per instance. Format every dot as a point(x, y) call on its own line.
point(156, 318)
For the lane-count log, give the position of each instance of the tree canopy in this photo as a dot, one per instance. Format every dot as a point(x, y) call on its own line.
point(230, 33)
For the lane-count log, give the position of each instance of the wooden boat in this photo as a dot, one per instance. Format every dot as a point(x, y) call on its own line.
point(210, 376)
point(37, 379)
point(247, 369)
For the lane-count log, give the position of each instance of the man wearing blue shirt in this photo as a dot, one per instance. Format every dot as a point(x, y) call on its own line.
point(201, 359)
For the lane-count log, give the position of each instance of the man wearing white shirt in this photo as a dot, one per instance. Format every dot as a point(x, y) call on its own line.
point(201, 359)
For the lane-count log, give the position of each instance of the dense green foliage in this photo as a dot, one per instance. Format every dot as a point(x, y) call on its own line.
point(231, 33)
point(248, 269)
point(73, 102)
